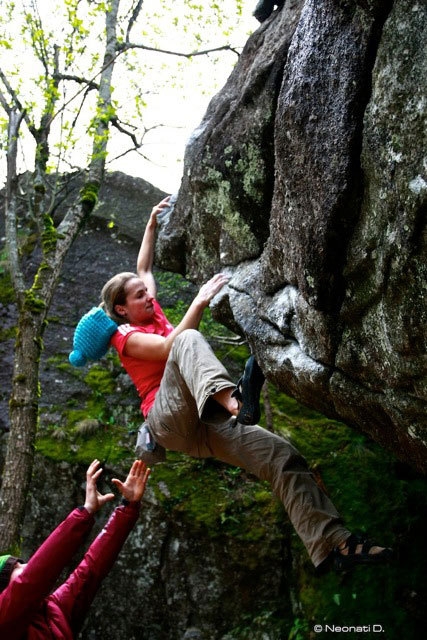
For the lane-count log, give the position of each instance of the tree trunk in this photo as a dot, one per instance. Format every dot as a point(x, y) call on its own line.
point(34, 302)
point(23, 415)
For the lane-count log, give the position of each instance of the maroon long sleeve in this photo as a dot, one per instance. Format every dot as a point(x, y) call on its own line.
point(75, 596)
point(26, 608)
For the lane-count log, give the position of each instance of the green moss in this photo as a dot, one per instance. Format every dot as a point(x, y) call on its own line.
point(217, 202)
point(61, 362)
point(20, 378)
point(216, 498)
point(38, 340)
point(89, 194)
point(37, 280)
point(100, 380)
point(252, 167)
point(94, 408)
point(23, 404)
point(7, 334)
point(33, 303)
point(49, 236)
point(7, 294)
point(112, 445)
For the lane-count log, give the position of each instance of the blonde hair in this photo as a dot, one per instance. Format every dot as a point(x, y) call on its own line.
point(114, 293)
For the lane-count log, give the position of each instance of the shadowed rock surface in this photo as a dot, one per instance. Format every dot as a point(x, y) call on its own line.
point(306, 181)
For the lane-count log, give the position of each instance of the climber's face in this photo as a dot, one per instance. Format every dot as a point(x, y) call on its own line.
point(138, 307)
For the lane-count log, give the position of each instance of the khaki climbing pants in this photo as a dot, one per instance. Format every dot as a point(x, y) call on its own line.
point(185, 418)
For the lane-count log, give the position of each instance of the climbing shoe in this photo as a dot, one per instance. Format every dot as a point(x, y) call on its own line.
point(359, 551)
point(248, 391)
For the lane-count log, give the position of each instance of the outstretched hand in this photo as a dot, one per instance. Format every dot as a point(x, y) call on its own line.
point(94, 499)
point(158, 209)
point(133, 487)
point(211, 288)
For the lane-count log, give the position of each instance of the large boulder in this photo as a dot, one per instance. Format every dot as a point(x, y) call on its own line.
point(306, 181)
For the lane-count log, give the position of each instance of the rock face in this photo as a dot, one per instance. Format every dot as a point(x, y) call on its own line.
point(306, 181)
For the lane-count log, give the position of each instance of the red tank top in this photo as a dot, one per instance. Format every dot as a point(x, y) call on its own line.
point(145, 374)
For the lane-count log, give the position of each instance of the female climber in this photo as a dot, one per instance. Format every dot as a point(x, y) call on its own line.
point(191, 405)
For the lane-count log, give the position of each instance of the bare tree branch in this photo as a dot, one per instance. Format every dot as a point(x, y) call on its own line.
point(192, 54)
point(16, 101)
point(133, 18)
point(15, 119)
point(4, 103)
point(120, 127)
point(125, 153)
point(39, 43)
point(136, 148)
point(89, 84)
point(99, 149)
